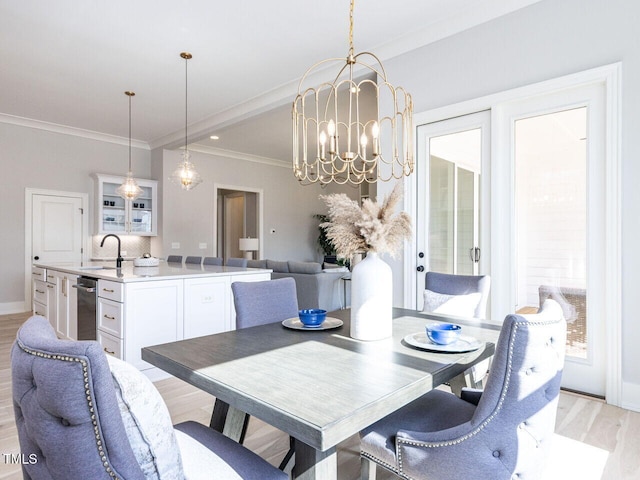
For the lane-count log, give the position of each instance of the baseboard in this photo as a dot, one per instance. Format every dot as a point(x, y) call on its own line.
point(12, 307)
point(630, 396)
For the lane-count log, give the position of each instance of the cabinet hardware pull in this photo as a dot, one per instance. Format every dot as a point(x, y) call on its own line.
point(109, 351)
point(49, 276)
point(36, 273)
point(38, 291)
point(110, 318)
point(49, 286)
point(107, 290)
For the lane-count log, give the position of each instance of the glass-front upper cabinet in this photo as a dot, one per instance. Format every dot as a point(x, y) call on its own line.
point(117, 215)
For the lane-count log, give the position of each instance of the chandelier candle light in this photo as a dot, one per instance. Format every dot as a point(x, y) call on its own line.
point(352, 130)
point(129, 190)
point(186, 175)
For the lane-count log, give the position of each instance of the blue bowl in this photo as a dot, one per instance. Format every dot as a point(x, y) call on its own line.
point(443, 333)
point(312, 317)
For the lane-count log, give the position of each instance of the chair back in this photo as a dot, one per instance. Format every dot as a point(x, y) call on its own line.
point(193, 260)
point(65, 407)
point(174, 259)
point(448, 284)
point(237, 262)
point(212, 261)
point(259, 303)
point(517, 411)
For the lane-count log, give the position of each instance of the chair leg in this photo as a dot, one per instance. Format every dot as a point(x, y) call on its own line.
point(367, 469)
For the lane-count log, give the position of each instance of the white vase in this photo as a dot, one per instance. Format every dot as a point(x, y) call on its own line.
point(371, 299)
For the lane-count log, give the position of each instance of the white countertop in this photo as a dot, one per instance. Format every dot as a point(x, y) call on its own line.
point(164, 271)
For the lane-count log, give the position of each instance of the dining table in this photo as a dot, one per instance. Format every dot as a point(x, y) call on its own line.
point(319, 385)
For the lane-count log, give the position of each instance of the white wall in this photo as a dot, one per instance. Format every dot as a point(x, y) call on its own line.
point(188, 216)
point(546, 40)
point(34, 158)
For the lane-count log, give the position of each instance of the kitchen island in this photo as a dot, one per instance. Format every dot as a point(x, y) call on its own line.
point(141, 306)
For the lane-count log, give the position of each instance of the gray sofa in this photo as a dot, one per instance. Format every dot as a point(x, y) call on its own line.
point(315, 288)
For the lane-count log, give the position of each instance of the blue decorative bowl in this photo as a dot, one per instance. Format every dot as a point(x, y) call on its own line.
point(312, 317)
point(443, 333)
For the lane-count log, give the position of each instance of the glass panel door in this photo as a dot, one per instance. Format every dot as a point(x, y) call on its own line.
point(551, 218)
point(451, 154)
point(549, 222)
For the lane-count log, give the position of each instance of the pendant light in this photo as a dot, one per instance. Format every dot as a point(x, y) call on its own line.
point(129, 190)
point(352, 130)
point(186, 175)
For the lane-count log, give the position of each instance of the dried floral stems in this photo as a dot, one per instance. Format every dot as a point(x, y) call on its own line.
point(370, 228)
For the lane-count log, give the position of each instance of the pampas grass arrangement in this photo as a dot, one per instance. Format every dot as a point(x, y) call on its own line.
point(371, 228)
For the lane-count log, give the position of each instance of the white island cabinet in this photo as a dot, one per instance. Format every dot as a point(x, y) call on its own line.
point(138, 307)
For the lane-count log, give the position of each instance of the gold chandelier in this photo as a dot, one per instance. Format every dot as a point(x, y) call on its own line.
point(185, 174)
point(129, 190)
point(353, 130)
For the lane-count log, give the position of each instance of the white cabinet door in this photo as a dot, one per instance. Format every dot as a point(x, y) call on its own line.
point(152, 315)
point(206, 306)
point(62, 303)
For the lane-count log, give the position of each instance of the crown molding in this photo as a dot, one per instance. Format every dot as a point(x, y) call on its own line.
point(221, 152)
point(74, 131)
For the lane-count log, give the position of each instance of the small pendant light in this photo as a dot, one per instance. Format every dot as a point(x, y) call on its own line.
point(129, 190)
point(186, 175)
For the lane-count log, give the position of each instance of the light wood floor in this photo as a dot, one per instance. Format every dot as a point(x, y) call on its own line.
point(593, 440)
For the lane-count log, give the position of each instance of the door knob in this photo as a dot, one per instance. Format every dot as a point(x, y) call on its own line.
point(421, 255)
point(36, 257)
point(420, 268)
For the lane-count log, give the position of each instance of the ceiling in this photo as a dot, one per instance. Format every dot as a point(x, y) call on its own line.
point(67, 63)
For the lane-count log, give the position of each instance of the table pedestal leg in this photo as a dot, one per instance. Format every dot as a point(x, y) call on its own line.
point(229, 421)
point(312, 464)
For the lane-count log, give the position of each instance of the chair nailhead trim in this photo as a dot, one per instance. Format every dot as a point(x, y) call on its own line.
point(85, 373)
point(480, 427)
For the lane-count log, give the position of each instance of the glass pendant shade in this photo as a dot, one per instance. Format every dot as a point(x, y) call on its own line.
point(185, 174)
point(129, 190)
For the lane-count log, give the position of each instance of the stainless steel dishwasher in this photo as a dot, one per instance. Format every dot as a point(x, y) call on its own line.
point(87, 296)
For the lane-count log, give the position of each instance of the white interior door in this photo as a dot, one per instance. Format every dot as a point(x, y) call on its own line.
point(57, 228)
point(552, 238)
point(449, 232)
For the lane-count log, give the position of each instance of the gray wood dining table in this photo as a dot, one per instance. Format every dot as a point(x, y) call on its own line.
point(319, 386)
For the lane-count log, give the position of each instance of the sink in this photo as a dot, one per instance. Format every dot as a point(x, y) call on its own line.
point(96, 267)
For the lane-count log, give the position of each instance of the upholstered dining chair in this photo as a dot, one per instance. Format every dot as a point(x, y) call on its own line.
point(237, 262)
point(174, 259)
point(442, 288)
point(193, 260)
point(500, 433)
point(269, 301)
point(212, 261)
point(81, 415)
point(259, 303)
point(463, 296)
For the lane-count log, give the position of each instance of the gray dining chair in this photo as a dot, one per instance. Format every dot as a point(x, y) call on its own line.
point(193, 260)
point(500, 433)
point(174, 259)
point(237, 262)
point(71, 419)
point(260, 303)
point(448, 284)
point(212, 261)
point(443, 286)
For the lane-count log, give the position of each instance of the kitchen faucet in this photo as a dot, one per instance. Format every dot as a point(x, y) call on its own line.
point(119, 259)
